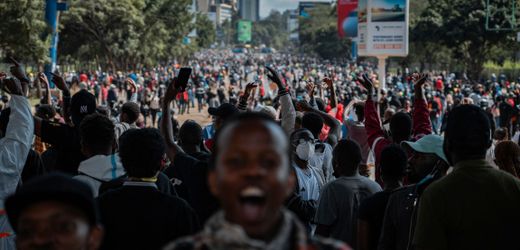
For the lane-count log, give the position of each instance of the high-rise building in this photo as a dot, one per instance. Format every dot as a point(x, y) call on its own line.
point(203, 6)
point(224, 12)
point(249, 10)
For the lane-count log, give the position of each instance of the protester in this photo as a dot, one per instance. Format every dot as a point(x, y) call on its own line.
point(156, 217)
point(448, 210)
point(401, 126)
point(426, 164)
point(97, 138)
point(54, 212)
point(339, 202)
point(372, 209)
point(64, 137)
point(14, 146)
point(251, 178)
point(507, 157)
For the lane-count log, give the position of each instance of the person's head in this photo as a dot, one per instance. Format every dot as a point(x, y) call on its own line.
point(222, 113)
point(313, 122)
point(400, 127)
point(46, 112)
point(82, 104)
point(54, 212)
point(393, 163)
point(346, 158)
point(507, 157)
point(129, 112)
point(142, 152)
point(250, 172)
point(97, 135)
point(302, 144)
point(190, 134)
point(359, 109)
point(467, 135)
point(501, 134)
point(389, 113)
point(425, 156)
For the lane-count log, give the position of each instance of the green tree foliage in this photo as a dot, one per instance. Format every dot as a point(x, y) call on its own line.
point(205, 31)
point(318, 34)
point(22, 29)
point(124, 33)
point(272, 31)
point(459, 25)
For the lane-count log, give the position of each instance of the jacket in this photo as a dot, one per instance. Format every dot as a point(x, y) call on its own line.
point(99, 169)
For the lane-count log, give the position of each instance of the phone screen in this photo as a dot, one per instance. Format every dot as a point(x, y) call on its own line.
point(182, 78)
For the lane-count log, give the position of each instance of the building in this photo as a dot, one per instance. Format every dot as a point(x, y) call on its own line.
point(203, 6)
point(249, 10)
point(304, 8)
point(224, 12)
point(292, 25)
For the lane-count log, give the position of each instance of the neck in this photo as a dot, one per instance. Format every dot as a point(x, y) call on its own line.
point(456, 158)
point(191, 148)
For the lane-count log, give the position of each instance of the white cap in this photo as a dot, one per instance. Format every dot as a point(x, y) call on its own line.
point(428, 144)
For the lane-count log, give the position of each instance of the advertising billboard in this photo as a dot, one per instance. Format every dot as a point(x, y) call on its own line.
point(362, 12)
point(347, 18)
point(387, 27)
point(244, 31)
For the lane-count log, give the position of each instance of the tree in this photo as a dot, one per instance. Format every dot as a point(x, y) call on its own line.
point(205, 31)
point(460, 25)
point(318, 33)
point(22, 28)
point(124, 33)
point(271, 31)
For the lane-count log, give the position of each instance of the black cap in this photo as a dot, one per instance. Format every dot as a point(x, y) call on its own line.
point(224, 111)
point(52, 187)
point(82, 104)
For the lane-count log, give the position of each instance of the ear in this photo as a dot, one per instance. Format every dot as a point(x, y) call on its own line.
point(212, 181)
point(95, 238)
point(291, 183)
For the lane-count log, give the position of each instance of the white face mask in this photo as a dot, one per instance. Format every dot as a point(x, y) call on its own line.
point(304, 151)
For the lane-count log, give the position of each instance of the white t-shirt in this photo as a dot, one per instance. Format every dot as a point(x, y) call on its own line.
point(309, 188)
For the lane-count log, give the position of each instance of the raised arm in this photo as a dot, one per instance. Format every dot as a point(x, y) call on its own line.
point(243, 103)
point(60, 83)
point(333, 98)
point(372, 120)
point(287, 107)
point(16, 143)
point(420, 115)
point(335, 125)
point(166, 121)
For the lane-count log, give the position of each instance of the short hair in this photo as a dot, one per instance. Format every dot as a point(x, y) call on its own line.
point(45, 111)
point(468, 131)
point(359, 109)
point(313, 122)
point(96, 132)
point(131, 109)
point(190, 133)
point(393, 162)
point(401, 125)
point(141, 152)
point(295, 136)
point(240, 118)
point(347, 155)
point(501, 134)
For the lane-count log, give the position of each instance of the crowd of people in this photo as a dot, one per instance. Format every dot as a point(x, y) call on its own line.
point(300, 154)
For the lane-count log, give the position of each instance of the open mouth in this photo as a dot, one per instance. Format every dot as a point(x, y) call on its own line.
point(252, 200)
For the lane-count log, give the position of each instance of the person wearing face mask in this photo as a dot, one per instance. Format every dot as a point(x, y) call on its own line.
point(303, 201)
point(340, 199)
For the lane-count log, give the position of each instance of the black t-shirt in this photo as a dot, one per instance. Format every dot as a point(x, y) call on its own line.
point(137, 217)
point(66, 141)
point(194, 187)
point(372, 210)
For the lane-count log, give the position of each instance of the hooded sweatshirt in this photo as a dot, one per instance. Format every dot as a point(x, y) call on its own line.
point(99, 169)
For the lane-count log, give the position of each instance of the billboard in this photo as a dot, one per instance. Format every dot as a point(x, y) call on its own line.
point(244, 31)
point(347, 18)
point(304, 8)
point(362, 12)
point(387, 27)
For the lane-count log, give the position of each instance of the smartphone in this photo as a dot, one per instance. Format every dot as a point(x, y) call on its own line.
point(182, 79)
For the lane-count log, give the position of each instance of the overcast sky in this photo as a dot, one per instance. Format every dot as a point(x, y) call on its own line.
point(281, 5)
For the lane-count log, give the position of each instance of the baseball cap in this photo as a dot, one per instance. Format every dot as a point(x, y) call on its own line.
point(428, 144)
point(82, 104)
point(52, 187)
point(224, 111)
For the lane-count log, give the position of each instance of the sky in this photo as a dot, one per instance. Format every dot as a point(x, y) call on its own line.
point(281, 5)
